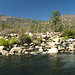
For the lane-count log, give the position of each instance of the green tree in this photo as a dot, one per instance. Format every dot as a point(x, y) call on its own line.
point(55, 21)
point(39, 28)
point(31, 25)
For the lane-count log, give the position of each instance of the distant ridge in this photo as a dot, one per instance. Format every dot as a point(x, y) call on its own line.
point(65, 19)
point(17, 21)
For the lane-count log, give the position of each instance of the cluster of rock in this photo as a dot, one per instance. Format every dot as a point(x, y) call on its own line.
point(51, 43)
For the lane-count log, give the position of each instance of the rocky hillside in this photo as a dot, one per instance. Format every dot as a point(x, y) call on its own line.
point(16, 21)
point(37, 25)
point(68, 20)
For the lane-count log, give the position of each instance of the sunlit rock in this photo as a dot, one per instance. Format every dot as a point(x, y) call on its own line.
point(40, 49)
point(31, 48)
point(43, 44)
point(26, 52)
point(23, 51)
point(15, 50)
point(3, 52)
point(1, 47)
point(52, 50)
point(37, 47)
point(25, 44)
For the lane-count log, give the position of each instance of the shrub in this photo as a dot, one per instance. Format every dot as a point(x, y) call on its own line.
point(65, 37)
point(28, 39)
point(25, 39)
point(69, 33)
point(38, 40)
point(3, 42)
point(13, 41)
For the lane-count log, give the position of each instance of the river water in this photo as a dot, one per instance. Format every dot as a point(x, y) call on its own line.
point(55, 64)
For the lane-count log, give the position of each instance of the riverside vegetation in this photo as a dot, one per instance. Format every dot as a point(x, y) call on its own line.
point(24, 36)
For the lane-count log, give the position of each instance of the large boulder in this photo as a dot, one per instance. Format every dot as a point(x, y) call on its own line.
point(53, 50)
point(40, 50)
point(32, 43)
point(37, 47)
point(16, 49)
point(64, 44)
point(25, 44)
point(61, 49)
point(31, 48)
point(43, 40)
point(48, 46)
point(43, 36)
point(43, 44)
point(72, 45)
point(20, 51)
point(59, 40)
point(26, 52)
point(71, 40)
point(1, 47)
point(52, 44)
point(3, 52)
point(30, 34)
point(23, 51)
point(9, 54)
point(71, 50)
point(56, 39)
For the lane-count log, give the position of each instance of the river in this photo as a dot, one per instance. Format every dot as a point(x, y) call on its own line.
point(48, 64)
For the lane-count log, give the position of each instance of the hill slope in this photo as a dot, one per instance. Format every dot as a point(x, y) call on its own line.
point(16, 21)
point(37, 26)
point(68, 20)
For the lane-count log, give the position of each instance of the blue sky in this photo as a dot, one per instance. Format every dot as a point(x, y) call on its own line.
point(39, 9)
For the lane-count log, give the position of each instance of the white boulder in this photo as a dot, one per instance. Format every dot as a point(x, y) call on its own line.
point(53, 50)
point(40, 50)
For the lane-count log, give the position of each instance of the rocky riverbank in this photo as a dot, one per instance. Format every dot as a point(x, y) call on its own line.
point(51, 43)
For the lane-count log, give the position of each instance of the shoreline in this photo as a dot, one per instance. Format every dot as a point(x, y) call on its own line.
point(50, 43)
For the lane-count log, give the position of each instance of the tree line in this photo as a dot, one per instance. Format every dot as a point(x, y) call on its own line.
point(53, 25)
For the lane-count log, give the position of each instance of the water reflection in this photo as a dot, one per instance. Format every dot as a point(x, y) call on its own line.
point(57, 64)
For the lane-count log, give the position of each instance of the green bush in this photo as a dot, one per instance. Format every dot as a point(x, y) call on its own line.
point(25, 39)
point(65, 38)
point(69, 33)
point(28, 39)
point(13, 41)
point(3, 42)
point(38, 40)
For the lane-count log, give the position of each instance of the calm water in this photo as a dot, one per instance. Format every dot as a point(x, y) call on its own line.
point(58, 64)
